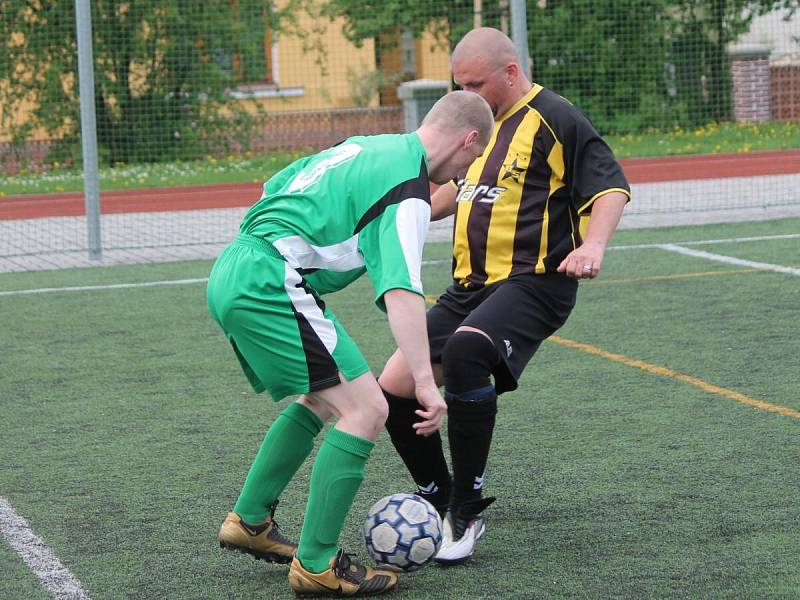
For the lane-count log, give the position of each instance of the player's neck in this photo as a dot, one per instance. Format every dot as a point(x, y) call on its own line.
point(518, 91)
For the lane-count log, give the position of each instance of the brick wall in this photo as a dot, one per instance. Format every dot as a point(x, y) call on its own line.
point(751, 84)
point(320, 129)
point(306, 130)
point(785, 92)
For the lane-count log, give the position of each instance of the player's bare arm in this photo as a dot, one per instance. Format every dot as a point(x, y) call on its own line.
point(443, 202)
point(584, 262)
point(406, 312)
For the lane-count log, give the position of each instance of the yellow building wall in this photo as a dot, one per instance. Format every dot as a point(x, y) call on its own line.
point(433, 58)
point(345, 70)
point(333, 74)
point(322, 74)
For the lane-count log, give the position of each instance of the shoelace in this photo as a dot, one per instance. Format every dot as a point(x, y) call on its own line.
point(277, 535)
point(460, 527)
point(467, 513)
point(342, 568)
point(276, 532)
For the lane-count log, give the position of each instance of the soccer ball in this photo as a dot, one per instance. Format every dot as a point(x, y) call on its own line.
point(403, 532)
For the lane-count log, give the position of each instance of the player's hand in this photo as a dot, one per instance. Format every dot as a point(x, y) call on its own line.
point(433, 409)
point(583, 262)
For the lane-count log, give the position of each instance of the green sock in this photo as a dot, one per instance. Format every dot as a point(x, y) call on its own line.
point(288, 442)
point(337, 474)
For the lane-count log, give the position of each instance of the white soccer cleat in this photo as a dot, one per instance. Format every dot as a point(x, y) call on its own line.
point(456, 550)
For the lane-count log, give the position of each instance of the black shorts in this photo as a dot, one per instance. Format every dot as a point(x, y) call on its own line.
point(517, 314)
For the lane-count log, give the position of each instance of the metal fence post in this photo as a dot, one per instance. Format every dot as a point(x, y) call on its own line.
point(91, 186)
point(519, 33)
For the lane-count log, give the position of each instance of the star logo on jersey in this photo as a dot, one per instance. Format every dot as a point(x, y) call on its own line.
point(508, 347)
point(512, 171)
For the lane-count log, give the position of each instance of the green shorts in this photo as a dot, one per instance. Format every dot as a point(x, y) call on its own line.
point(286, 340)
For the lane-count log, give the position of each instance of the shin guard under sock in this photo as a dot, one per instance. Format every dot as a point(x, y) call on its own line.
point(470, 426)
point(423, 456)
point(288, 442)
point(337, 474)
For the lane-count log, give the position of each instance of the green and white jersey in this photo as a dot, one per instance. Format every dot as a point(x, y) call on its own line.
point(363, 205)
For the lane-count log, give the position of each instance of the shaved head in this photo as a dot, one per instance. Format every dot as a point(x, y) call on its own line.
point(491, 45)
point(486, 61)
point(454, 133)
point(461, 111)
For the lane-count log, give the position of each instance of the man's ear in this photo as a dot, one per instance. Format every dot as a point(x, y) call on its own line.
point(512, 71)
point(470, 138)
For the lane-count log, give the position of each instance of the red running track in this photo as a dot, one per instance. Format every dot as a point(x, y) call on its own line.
point(638, 170)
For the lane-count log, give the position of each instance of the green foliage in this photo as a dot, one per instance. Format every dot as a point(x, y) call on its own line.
point(364, 84)
point(162, 73)
point(370, 18)
point(600, 55)
point(631, 65)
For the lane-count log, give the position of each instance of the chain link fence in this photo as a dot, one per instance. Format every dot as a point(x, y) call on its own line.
point(202, 90)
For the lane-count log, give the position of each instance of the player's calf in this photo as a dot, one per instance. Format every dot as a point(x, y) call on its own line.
point(422, 455)
point(468, 360)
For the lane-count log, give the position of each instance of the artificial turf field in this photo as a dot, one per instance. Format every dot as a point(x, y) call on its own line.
point(651, 451)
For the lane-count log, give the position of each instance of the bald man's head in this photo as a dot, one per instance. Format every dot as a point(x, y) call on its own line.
point(486, 61)
point(488, 44)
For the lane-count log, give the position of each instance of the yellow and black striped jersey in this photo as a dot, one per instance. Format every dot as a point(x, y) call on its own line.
point(519, 208)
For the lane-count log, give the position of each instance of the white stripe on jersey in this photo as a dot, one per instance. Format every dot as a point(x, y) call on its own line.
point(299, 254)
point(306, 305)
point(413, 218)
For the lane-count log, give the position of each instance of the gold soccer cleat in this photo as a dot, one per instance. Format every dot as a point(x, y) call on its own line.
point(265, 541)
point(345, 577)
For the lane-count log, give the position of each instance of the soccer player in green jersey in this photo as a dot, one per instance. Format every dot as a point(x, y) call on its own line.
point(361, 206)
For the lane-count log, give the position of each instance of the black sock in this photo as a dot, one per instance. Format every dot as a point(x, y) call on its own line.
point(423, 456)
point(469, 426)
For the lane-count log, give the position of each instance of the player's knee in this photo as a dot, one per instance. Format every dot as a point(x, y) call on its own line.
point(375, 410)
point(468, 359)
point(396, 378)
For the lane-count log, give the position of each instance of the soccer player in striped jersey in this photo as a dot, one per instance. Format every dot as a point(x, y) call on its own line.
point(533, 215)
point(323, 221)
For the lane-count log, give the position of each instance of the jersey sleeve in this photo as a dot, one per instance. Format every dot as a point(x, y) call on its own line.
point(392, 243)
point(591, 167)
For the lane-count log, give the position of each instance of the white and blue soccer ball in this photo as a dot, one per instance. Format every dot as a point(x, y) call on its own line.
point(403, 532)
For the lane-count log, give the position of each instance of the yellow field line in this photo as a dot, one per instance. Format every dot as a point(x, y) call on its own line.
point(665, 372)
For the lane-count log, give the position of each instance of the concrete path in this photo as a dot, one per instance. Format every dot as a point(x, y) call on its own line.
point(138, 237)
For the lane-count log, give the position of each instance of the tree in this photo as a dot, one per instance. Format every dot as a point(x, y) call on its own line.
point(366, 19)
point(606, 56)
point(163, 71)
point(701, 33)
point(629, 64)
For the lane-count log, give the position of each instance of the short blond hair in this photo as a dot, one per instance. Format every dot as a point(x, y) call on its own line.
point(461, 111)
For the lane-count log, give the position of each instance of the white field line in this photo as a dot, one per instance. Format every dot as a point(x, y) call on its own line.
point(427, 263)
point(120, 286)
point(60, 583)
point(761, 238)
point(730, 260)
point(111, 286)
